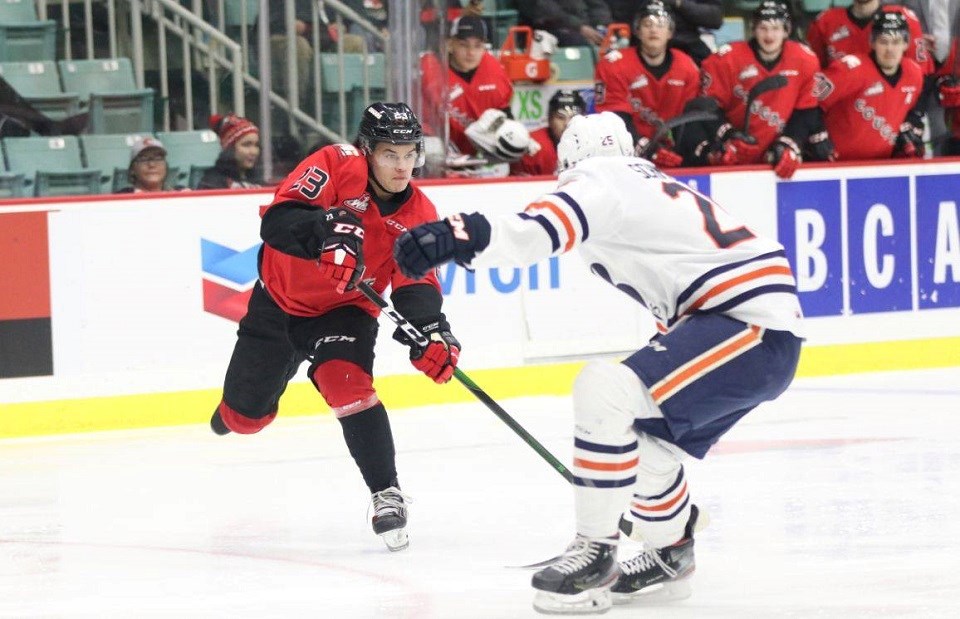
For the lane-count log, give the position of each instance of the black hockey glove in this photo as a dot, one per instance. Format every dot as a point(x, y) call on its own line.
point(820, 147)
point(909, 142)
point(427, 246)
point(341, 254)
point(438, 359)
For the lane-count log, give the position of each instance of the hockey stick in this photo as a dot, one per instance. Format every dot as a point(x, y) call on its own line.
point(665, 127)
point(773, 82)
point(414, 334)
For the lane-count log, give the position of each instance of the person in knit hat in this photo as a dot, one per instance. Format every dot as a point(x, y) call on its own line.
point(239, 154)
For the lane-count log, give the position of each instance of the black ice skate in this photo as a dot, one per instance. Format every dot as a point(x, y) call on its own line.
point(580, 580)
point(659, 574)
point(390, 517)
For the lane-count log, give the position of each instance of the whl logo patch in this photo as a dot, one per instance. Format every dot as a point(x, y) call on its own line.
point(228, 278)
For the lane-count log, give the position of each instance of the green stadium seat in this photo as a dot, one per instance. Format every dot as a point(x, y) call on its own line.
point(51, 166)
point(18, 11)
point(233, 12)
point(732, 29)
point(573, 64)
point(115, 104)
point(190, 154)
point(814, 7)
point(501, 15)
point(110, 153)
point(39, 83)
point(32, 41)
point(354, 66)
point(12, 185)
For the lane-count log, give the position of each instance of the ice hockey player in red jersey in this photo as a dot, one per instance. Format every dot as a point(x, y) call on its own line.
point(474, 82)
point(870, 100)
point(564, 105)
point(782, 119)
point(840, 31)
point(650, 83)
point(334, 220)
point(949, 92)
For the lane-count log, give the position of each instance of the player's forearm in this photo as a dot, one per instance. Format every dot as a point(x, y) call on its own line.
point(293, 228)
point(517, 241)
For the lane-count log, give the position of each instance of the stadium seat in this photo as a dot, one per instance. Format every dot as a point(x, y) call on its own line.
point(110, 153)
point(189, 154)
point(30, 41)
point(115, 104)
point(51, 166)
point(501, 15)
point(18, 12)
point(39, 83)
point(814, 7)
point(233, 12)
point(733, 29)
point(12, 185)
point(572, 64)
point(353, 80)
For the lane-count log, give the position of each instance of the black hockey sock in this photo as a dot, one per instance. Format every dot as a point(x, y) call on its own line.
point(370, 443)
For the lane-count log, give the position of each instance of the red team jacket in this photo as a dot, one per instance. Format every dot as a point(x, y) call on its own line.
point(543, 163)
point(336, 176)
point(951, 67)
point(624, 83)
point(834, 34)
point(489, 88)
point(863, 108)
point(729, 74)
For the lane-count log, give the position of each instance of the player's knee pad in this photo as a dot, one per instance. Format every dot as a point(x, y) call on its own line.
point(242, 423)
point(345, 386)
point(607, 397)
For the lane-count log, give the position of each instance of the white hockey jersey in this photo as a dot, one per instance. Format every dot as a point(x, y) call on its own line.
point(667, 246)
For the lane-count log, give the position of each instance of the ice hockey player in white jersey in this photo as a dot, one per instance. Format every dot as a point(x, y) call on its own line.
point(730, 334)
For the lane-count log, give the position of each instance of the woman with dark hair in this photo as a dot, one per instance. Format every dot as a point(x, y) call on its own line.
point(239, 155)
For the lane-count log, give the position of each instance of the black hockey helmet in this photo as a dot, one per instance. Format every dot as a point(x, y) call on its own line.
point(569, 100)
point(390, 122)
point(653, 8)
point(772, 10)
point(890, 22)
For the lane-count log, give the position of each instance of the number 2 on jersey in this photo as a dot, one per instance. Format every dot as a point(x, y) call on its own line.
point(723, 238)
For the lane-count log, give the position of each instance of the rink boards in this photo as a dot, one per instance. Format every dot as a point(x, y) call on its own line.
point(121, 312)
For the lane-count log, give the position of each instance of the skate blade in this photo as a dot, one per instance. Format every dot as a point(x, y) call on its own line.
point(537, 565)
point(589, 602)
point(396, 540)
point(663, 593)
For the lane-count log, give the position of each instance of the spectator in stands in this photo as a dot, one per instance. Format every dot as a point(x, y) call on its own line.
point(573, 22)
point(781, 120)
point(239, 155)
point(690, 19)
point(650, 83)
point(949, 97)
point(564, 105)
point(374, 11)
point(840, 31)
point(871, 99)
point(473, 83)
point(148, 166)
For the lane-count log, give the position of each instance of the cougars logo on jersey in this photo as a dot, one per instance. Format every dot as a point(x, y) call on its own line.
point(729, 75)
point(864, 111)
point(294, 283)
point(835, 33)
point(650, 95)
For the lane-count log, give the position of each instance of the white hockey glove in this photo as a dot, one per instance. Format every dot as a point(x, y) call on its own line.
point(500, 137)
point(544, 45)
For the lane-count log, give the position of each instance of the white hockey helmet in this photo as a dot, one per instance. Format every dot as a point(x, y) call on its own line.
point(595, 135)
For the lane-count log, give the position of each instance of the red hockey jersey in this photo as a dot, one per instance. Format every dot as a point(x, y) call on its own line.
point(541, 164)
point(624, 83)
point(835, 33)
point(729, 74)
point(951, 68)
point(336, 176)
point(465, 101)
point(863, 111)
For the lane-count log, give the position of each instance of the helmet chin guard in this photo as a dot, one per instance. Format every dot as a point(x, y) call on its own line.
point(595, 135)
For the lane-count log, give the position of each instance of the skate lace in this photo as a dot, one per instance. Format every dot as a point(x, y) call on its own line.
point(644, 561)
point(389, 501)
point(578, 555)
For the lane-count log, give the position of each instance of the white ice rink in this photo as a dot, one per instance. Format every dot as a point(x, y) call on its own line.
point(841, 499)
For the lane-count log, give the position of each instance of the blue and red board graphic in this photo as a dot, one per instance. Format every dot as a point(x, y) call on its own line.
point(228, 278)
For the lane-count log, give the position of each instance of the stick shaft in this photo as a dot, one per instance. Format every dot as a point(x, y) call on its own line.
point(465, 380)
